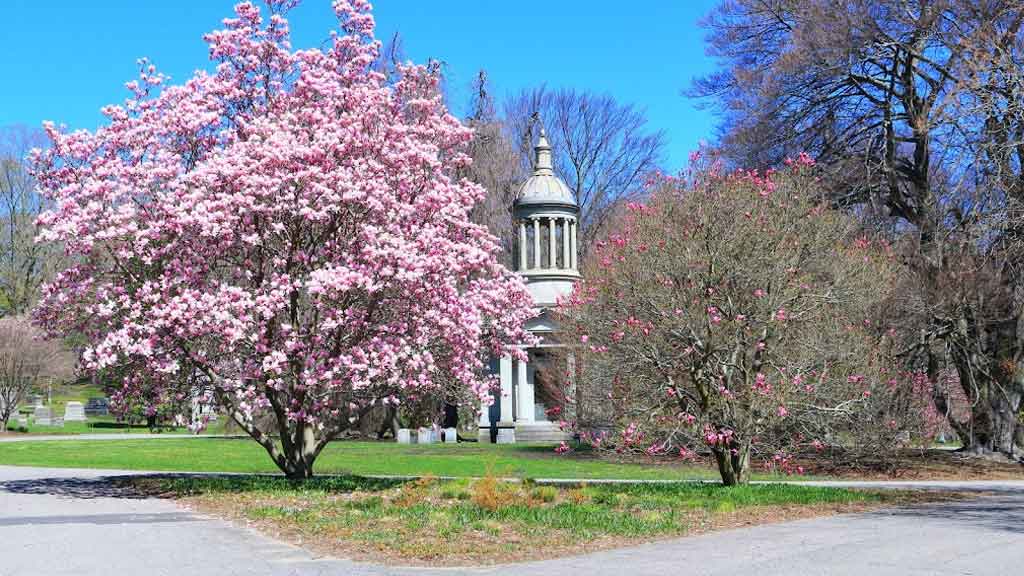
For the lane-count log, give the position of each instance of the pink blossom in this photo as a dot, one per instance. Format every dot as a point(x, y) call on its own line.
point(297, 229)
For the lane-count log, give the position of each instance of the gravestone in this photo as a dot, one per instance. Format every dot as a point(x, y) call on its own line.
point(97, 407)
point(404, 436)
point(451, 436)
point(424, 436)
point(37, 401)
point(42, 416)
point(74, 412)
point(506, 436)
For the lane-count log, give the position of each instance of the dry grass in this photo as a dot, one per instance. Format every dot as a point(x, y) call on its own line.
point(486, 521)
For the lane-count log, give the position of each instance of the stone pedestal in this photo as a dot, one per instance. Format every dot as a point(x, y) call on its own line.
point(506, 436)
point(543, 431)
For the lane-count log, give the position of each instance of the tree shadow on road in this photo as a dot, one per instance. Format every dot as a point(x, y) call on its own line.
point(100, 519)
point(82, 488)
point(1000, 512)
point(176, 485)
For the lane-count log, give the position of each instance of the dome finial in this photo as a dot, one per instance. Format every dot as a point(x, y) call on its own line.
point(542, 155)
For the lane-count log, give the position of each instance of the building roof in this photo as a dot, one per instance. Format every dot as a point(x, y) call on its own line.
point(543, 187)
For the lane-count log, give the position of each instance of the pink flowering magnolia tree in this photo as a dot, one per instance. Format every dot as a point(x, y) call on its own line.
point(730, 315)
point(285, 236)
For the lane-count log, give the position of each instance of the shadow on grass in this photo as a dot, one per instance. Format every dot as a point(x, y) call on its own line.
point(116, 426)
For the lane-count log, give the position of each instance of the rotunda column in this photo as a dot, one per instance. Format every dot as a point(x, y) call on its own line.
point(566, 262)
point(552, 252)
point(572, 233)
point(523, 247)
point(536, 242)
point(524, 401)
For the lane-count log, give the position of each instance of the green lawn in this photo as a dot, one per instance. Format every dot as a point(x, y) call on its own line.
point(244, 455)
point(94, 425)
point(107, 425)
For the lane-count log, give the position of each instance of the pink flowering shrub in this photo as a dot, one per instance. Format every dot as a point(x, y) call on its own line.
point(284, 236)
point(730, 315)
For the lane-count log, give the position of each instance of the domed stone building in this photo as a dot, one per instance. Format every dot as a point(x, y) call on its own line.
point(545, 218)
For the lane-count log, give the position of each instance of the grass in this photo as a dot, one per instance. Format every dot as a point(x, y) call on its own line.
point(175, 454)
point(486, 520)
point(94, 425)
point(363, 458)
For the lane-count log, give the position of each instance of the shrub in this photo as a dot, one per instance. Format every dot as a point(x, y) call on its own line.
point(731, 315)
point(492, 494)
point(545, 494)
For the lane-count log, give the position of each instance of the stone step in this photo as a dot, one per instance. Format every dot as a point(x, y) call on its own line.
point(540, 434)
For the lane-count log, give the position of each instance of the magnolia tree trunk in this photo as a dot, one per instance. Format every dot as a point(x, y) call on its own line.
point(301, 456)
point(296, 446)
point(733, 463)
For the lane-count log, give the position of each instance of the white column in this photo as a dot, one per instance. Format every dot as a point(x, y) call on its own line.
point(523, 248)
point(536, 242)
point(485, 417)
point(572, 232)
point(552, 253)
point(524, 404)
point(566, 262)
point(505, 373)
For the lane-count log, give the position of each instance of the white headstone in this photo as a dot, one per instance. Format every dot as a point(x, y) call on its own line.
point(506, 436)
point(74, 412)
point(404, 436)
point(424, 436)
point(451, 436)
point(42, 416)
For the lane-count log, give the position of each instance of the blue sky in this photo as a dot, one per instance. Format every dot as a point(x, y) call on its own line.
point(64, 59)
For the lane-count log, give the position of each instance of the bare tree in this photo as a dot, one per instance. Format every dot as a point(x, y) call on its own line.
point(495, 166)
point(25, 358)
point(907, 105)
point(24, 264)
point(601, 148)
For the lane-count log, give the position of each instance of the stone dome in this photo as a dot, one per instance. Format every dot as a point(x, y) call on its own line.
point(543, 187)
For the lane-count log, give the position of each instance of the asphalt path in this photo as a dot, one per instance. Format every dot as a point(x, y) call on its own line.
point(68, 521)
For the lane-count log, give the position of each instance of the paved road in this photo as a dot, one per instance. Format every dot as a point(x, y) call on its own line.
point(63, 521)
